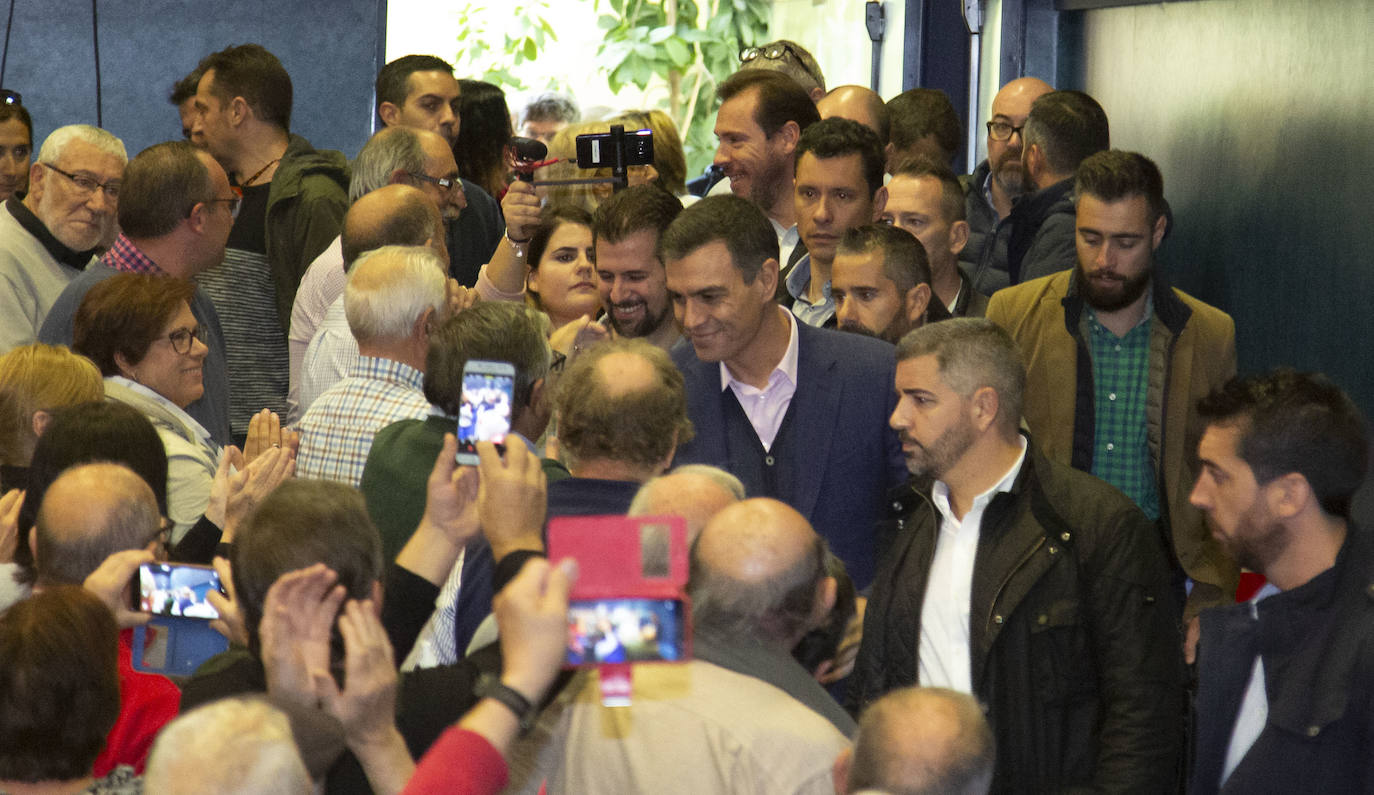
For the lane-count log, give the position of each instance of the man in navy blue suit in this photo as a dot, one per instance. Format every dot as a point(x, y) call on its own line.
point(796, 413)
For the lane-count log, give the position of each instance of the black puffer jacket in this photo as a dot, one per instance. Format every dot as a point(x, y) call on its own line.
point(1075, 648)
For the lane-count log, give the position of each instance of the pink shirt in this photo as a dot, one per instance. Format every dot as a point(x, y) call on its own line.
point(766, 407)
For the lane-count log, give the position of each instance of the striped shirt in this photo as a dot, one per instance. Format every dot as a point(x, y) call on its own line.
point(255, 344)
point(337, 431)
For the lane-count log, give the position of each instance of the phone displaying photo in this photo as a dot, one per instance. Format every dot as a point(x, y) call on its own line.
point(488, 400)
point(626, 630)
point(179, 590)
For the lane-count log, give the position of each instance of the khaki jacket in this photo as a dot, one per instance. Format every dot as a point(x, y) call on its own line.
point(1192, 352)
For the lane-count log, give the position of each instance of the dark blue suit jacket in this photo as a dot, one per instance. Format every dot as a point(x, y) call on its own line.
point(845, 394)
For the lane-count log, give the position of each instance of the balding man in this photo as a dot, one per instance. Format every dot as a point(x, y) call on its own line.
point(394, 215)
point(696, 492)
point(174, 220)
point(919, 741)
point(395, 295)
point(51, 236)
point(621, 412)
point(394, 156)
point(89, 513)
point(857, 103)
point(743, 715)
point(1000, 179)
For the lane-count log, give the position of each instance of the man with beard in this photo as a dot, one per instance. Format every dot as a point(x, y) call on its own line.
point(881, 283)
point(629, 274)
point(1000, 179)
point(1048, 590)
point(1285, 680)
point(761, 118)
point(1117, 360)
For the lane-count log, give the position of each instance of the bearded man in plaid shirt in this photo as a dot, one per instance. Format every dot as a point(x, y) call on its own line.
point(1116, 361)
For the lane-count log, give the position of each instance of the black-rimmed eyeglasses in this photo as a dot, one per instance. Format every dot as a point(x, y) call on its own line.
point(8, 97)
point(234, 203)
point(1001, 131)
point(775, 52)
point(181, 338)
point(87, 185)
point(445, 184)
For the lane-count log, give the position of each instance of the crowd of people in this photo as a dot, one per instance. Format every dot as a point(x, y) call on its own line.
point(969, 487)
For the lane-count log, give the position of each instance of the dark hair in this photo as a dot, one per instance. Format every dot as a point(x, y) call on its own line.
point(59, 685)
point(410, 221)
point(633, 210)
point(780, 99)
point(483, 136)
point(119, 520)
point(905, 262)
point(738, 223)
point(502, 331)
point(102, 431)
point(919, 112)
point(19, 112)
point(601, 420)
point(550, 218)
point(837, 137)
point(251, 72)
point(161, 185)
point(1296, 422)
point(821, 643)
point(1113, 175)
point(393, 82)
point(301, 523)
point(186, 87)
point(124, 315)
point(952, 204)
point(550, 106)
point(1068, 126)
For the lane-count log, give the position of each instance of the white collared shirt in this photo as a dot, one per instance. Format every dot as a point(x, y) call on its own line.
point(1254, 706)
point(944, 655)
point(766, 407)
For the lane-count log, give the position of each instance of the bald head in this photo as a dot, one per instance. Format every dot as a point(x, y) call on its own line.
point(758, 568)
point(1010, 109)
point(89, 513)
point(1017, 96)
point(857, 103)
point(394, 215)
point(921, 740)
point(696, 492)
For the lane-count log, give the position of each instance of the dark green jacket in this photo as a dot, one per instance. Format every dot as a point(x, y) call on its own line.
point(305, 210)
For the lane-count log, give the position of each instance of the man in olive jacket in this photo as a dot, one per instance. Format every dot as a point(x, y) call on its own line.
point(1116, 361)
point(1040, 589)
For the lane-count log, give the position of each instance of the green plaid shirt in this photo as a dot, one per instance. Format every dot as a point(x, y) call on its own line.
point(1121, 375)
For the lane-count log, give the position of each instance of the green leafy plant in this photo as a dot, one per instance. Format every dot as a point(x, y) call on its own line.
point(521, 26)
point(690, 45)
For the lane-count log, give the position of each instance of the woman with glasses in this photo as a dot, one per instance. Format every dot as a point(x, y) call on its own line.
point(139, 330)
point(16, 148)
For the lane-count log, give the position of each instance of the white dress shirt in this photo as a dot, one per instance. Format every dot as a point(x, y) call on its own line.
point(1254, 707)
point(944, 655)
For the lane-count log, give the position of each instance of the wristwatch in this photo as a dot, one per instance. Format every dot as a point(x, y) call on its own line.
point(489, 686)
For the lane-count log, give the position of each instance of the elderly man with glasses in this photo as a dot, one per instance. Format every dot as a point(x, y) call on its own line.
point(51, 236)
point(175, 215)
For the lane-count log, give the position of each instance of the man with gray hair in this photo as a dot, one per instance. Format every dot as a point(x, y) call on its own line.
point(394, 156)
point(919, 741)
point(546, 114)
point(51, 236)
point(230, 745)
point(395, 295)
point(393, 215)
point(696, 492)
point(174, 221)
point(1049, 589)
point(743, 715)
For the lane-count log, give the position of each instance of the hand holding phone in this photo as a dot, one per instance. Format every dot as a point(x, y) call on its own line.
point(177, 590)
point(485, 411)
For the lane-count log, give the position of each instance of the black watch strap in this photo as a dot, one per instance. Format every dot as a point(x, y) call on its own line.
point(489, 686)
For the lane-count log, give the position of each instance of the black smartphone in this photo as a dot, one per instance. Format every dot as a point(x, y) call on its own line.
point(597, 150)
point(179, 590)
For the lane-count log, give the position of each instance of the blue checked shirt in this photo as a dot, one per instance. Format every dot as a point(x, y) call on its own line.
point(337, 431)
point(1121, 379)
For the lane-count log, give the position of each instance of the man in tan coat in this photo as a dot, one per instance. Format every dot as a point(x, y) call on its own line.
point(1116, 361)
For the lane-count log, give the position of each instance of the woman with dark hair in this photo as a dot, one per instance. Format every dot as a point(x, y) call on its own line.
point(484, 132)
point(562, 277)
point(59, 684)
point(16, 150)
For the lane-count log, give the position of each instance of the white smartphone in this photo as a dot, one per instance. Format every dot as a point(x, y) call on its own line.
point(488, 400)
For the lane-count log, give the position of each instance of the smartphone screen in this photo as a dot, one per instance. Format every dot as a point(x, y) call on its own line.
point(626, 630)
point(484, 415)
point(176, 589)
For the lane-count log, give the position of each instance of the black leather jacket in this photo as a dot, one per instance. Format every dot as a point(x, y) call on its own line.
point(1075, 649)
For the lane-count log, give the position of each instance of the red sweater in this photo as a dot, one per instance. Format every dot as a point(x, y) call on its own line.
point(461, 762)
point(146, 703)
